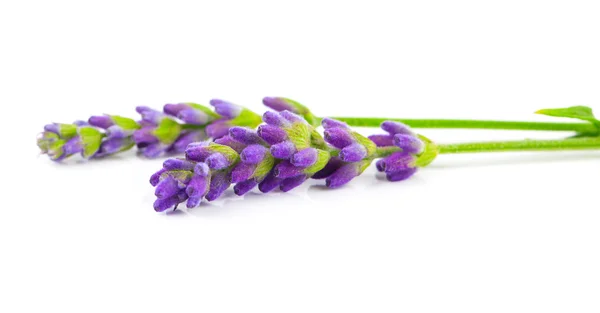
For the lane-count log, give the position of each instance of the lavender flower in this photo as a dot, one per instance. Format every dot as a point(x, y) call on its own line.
point(61, 141)
point(281, 104)
point(399, 165)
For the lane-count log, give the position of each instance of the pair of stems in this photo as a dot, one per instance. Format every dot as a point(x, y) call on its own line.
point(582, 143)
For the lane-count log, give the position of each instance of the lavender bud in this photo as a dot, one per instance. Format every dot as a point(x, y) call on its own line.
point(196, 189)
point(163, 204)
point(292, 182)
point(243, 187)
point(155, 178)
point(269, 183)
point(253, 154)
point(193, 117)
point(217, 129)
point(397, 161)
point(409, 143)
point(275, 119)
point(396, 128)
point(245, 135)
point(353, 153)
point(219, 182)
point(217, 161)
point(304, 158)
point(102, 121)
point(271, 134)
point(338, 137)
point(333, 165)
point(401, 175)
point(382, 140)
point(166, 188)
point(331, 123)
point(226, 109)
point(286, 169)
point(343, 175)
point(242, 171)
point(174, 109)
point(178, 164)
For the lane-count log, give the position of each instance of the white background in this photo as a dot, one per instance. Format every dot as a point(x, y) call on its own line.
point(515, 232)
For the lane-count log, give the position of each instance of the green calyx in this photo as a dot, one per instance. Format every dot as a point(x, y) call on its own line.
point(91, 139)
point(247, 118)
point(67, 131)
point(299, 134)
point(264, 167)
point(231, 155)
point(322, 159)
point(125, 122)
point(366, 142)
point(430, 152)
point(204, 109)
point(167, 131)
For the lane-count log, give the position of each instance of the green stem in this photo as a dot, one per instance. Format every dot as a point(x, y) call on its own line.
point(586, 128)
point(523, 145)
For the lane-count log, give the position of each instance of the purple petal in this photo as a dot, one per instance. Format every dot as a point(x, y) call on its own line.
point(225, 108)
point(161, 205)
point(382, 140)
point(193, 116)
point(275, 119)
point(380, 165)
point(353, 153)
point(271, 134)
point(173, 109)
point(150, 115)
point(196, 190)
point(401, 175)
point(217, 129)
point(197, 151)
point(277, 104)
point(396, 128)
point(185, 139)
point(243, 187)
point(53, 128)
point(219, 182)
point(232, 143)
point(331, 123)
point(286, 169)
point(304, 158)
point(144, 136)
point(292, 182)
point(283, 150)
point(167, 188)
point(155, 178)
point(241, 172)
point(245, 135)
point(178, 164)
point(154, 150)
point(113, 145)
point(333, 165)
point(201, 169)
point(270, 182)
point(73, 146)
point(338, 137)
point(397, 161)
point(409, 143)
point(102, 121)
point(253, 154)
point(342, 176)
point(292, 117)
point(217, 161)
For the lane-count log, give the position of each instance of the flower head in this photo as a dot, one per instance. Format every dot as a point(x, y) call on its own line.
point(281, 104)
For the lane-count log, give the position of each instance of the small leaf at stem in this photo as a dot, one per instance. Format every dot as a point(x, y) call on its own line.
point(167, 131)
point(90, 139)
point(579, 112)
point(429, 153)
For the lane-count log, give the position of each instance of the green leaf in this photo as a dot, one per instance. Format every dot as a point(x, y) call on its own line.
point(231, 155)
point(125, 122)
point(67, 131)
point(366, 142)
point(91, 138)
point(322, 159)
point(167, 131)
point(299, 135)
point(429, 153)
point(247, 118)
point(579, 112)
point(264, 167)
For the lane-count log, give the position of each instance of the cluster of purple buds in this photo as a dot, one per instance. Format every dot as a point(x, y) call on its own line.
point(282, 153)
point(402, 164)
point(281, 104)
point(156, 133)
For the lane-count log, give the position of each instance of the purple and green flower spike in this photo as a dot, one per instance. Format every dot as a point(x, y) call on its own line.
point(157, 133)
point(282, 153)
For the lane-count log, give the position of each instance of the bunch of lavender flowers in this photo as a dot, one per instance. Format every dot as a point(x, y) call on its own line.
point(169, 131)
point(282, 153)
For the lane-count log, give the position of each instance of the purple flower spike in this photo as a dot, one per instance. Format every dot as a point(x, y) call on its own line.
point(196, 189)
point(304, 158)
point(353, 153)
point(101, 121)
point(271, 134)
point(245, 135)
point(286, 169)
point(396, 128)
point(219, 182)
point(225, 108)
point(253, 154)
point(269, 183)
point(408, 143)
point(242, 171)
point(338, 137)
point(166, 188)
point(275, 119)
point(331, 123)
point(283, 150)
point(243, 187)
point(397, 161)
point(343, 175)
point(178, 164)
point(292, 182)
point(401, 175)
point(382, 140)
